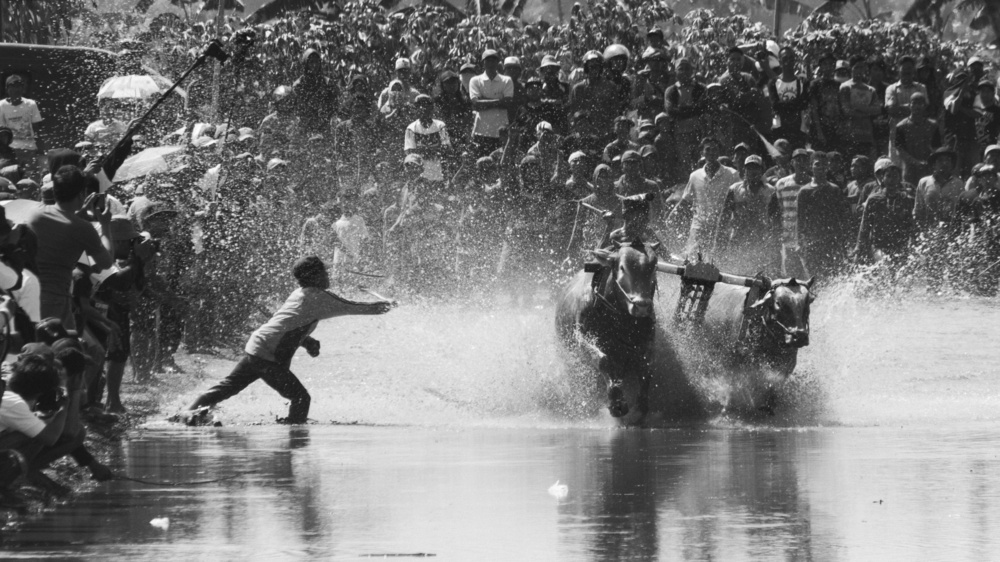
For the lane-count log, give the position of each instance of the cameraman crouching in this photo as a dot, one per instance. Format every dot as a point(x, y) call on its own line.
point(40, 419)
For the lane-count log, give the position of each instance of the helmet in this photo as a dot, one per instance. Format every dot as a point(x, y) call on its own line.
point(592, 56)
point(884, 164)
point(616, 50)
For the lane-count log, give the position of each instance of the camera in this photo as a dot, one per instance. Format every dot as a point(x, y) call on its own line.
point(51, 401)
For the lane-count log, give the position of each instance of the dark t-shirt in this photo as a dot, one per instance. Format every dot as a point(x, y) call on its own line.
point(62, 238)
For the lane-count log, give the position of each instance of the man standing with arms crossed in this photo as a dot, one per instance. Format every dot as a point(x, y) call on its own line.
point(491, 94)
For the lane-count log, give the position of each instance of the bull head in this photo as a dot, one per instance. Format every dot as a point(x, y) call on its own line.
point(786, 306)
point(633, 279)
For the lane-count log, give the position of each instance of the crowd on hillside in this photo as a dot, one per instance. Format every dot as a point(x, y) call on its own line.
point(498, 177)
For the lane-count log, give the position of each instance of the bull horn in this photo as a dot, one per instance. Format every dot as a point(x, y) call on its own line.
point(810, 282)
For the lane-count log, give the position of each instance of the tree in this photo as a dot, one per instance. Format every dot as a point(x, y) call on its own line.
point(38, 21)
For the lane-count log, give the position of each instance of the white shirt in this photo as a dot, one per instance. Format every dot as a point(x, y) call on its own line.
point(105, 132)
point(351, 232)
point(20, 118)
point(15, 415)
point(709, 193)
point(489, 121)
point(418, 138)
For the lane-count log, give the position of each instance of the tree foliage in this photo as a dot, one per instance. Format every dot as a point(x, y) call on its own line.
point(38, 21)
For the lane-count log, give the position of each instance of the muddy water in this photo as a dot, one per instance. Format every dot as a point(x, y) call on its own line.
point(886, 450)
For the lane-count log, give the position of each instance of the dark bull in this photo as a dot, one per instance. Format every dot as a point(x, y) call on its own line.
point(605, 316)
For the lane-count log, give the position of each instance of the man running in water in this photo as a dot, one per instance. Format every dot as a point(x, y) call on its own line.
point(270, 349)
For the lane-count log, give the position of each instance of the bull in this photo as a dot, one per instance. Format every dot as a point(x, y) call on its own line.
point(609, 322)
point(755, 332)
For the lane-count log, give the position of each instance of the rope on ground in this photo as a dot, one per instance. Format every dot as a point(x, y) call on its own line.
point(188, 483)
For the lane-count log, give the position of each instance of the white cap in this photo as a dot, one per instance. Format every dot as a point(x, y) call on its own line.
point(512, 61)
point(576, 156)
point(402, 63)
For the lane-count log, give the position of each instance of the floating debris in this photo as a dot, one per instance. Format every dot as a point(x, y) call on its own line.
point(162, 523)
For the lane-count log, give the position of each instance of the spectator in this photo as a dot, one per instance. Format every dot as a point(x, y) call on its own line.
point(682, 103)
point(915, 139)
point(742, 97)
point(824, 98)
point(706, 190)
point(981, 198)
point(790, 100)
point(898, 97)
point(622, 142)
point(454, 108)
point(938, 193)
point(887, 224)
point(407, 94)
point(315, 95)
point(782, 163)
point(21, 116)
point(62, 236)
point(862, 183)
point(859, 103)
point(792, 264)
point(428, 137)
point(988, 115)
point(823, 219)
point(747, 222)
point(512, 69)
point(491, 94)
point(595, 102)
point(632, 181)
point(960, 122)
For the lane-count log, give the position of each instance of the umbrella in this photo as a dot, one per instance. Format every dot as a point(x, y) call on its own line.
point(156, 160)
point(135, 86)
point(18, 210)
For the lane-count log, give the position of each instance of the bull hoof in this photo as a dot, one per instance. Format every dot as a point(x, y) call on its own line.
point(616, 402)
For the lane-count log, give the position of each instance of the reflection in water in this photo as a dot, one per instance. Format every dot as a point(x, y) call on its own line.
point(334, 492)
point(657, 494)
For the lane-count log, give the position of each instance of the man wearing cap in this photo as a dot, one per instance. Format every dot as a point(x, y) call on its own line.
point(465, 73)
point(859, 103)
point(707, 188)
point(748, 221)
point(887, 224)
point(981, 198)
point(545, 149)
point(824, 100)
point(740, 153)
point(823, 220)
point(408, 93)
point(787, 189)
point(681, 102)
point(622, 142)
point(782, 163)
point(358, 138)
point(632, 181)
point(21, 116)
point(554, 90)
point(492, 94)
point(899, 95)
point(938, 193)
point(915, 138)
point(316, 96)
point(427, 137)
point(512, 69)
point(790, 100)
point(594, 102)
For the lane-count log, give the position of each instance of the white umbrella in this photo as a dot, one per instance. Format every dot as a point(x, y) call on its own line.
point(135, 86)
point(156, 160)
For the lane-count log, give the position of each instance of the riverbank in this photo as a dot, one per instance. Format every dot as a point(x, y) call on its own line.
point(145, 402)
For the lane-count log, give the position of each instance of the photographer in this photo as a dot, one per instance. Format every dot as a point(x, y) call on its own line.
point(110, 291)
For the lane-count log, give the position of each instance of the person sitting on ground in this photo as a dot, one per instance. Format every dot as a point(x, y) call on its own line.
point(271, 347)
